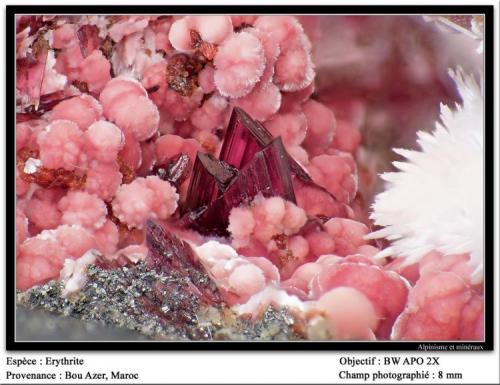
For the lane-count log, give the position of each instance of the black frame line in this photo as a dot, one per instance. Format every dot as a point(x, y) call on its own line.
point(486, 345)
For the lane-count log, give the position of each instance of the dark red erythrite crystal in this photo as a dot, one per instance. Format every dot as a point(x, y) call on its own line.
point(217, 187)
point(169, 254)
point(264, 166)
point(244, 137)
point(175, 171)
point(210, 177)
point(268, 173)
point(88, 38)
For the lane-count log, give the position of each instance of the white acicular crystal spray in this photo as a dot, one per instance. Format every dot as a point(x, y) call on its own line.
point(435, 201)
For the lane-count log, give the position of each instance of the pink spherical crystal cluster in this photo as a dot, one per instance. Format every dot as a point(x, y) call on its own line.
point(211, 128)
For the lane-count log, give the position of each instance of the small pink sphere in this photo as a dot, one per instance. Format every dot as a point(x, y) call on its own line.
point(95, 71)
point(348, 137)
point(168, 146)
point(43, 213)
point(61, 145)
point(165, 197)
point(337, 174)
point(292, 127)
point(320, 243)
point(179, 34)
point(283, 29)
point(270, 271)
point(295, 217)
point(320, 126)
point(75, 240)
point(213, 28)
point(349, 313)
point(103, 179)
point(241, 222)
point(82, 110)
point(348, 234)
point(239, 64)
point(118, 87)
point(137, 115)
point(84, 209)
point(316, 202)
point(294, 70)
point(40, 259)
point(104, 141)
point(133, 203)
point(210, 116)
point(271, 52)
point(262, 102)
point(247, 279)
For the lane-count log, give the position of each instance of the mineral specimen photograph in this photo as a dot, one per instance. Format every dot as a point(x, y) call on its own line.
point(249, 177)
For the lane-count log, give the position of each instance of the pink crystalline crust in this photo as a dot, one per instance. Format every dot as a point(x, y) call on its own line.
point(61, 145)
point(267, 224)
point(42, 211)
point(95, 104)
point(212, 29)
point(41, 258)
point(75, 240)
point(237, 277)
point(350, 315)
point(142, 199)
point(125, 103)
point(321, 126)
point(81, 62)
point(386, 292)
point(435, 308)
point(443, 304)
point(103, 179)
point(337, 173)
point(33, 265)
point(83, 209)
point(82, 110)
